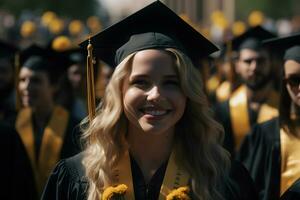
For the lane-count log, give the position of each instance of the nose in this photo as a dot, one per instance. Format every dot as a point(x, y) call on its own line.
point(154, 94)
point(24, 85)
point(253, 65)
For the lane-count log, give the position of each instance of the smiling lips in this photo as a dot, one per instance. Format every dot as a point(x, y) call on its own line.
point(154, 111)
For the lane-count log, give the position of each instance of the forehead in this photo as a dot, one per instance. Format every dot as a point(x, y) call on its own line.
point(245, 53)
point(291, 67)
point(30, 72)
point(153, 60)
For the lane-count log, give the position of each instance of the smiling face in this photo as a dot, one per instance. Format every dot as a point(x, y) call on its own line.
point(292, 79)
point(152, 97)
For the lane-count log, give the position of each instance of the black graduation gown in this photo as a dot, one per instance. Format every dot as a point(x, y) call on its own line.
point(68, 181)
point(15, 183)
point(293, 193)
point(8, 109)
point(260, 153)
point(222, 115)
point(21, 176)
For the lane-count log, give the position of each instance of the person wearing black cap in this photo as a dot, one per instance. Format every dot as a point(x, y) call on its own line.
point(7, 90)
point(47, 130)
point(271, 152)
point(153, 136)
point(255, 100)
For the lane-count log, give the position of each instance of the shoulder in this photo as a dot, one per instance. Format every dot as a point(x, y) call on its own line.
point(74, 167)
point(238, 183)
point(268, 130)
point(67, 180)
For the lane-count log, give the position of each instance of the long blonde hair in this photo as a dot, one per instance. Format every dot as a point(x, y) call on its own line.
point(198, 136)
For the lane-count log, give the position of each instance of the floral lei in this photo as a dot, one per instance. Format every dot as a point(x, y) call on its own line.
point(119, 191)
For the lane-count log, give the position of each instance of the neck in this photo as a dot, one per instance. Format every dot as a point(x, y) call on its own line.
point(42, 114)
point(149, 150)
point(259, 96)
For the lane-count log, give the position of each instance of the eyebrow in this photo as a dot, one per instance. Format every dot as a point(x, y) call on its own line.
point(170, 76)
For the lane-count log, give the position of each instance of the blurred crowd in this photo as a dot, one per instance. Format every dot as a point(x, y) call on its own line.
point(47, 79)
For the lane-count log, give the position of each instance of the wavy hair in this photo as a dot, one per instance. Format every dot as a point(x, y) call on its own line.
point(197, 143)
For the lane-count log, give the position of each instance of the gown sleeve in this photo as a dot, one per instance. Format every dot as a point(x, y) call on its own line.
point(260, 153)
point(66, 182)
point(239, 185)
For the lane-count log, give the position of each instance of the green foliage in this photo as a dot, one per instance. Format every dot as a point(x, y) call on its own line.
point(272, 8)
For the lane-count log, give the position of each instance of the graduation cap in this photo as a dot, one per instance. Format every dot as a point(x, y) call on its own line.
point(75, 55)
point(288, 47)
point(37, 58)
point(251, 39)
point(7, 50)
point(31, 50)
point(154, 26)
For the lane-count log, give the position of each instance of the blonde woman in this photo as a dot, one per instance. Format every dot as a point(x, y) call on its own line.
point(153, 136)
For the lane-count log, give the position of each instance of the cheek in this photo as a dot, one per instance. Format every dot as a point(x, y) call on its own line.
point(132, 98)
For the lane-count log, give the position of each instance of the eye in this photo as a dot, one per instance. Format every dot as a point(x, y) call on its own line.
point(140, 83)
point(172, 82)
point(248, 61)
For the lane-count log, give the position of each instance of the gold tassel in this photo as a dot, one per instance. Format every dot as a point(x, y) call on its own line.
point(90, 82)
point(17, 69)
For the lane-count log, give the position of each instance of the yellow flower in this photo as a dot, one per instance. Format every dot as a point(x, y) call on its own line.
point(47, 17)
point(94, 24)
point(28, 28)
point(238, 28)
point(110, 192)
point(75, 27)
point(180, 193)
point(61, 43)
point(256, 18)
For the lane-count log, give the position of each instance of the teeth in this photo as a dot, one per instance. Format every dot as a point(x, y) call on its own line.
point(156, 112)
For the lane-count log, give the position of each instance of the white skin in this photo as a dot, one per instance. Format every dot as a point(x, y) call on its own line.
point(36, 92)
point(248, 67)
point(153, 103)
point(254, 68)
point(292, 69)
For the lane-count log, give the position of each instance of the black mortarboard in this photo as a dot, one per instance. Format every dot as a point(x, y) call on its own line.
point(7, 50)
point(31, 50)
point(38, 58)
point(76, 55)
point(251, 39)
point(154, 26)
point(288, 46)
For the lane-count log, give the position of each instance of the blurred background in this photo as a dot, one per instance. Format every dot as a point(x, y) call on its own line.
point(24, 21)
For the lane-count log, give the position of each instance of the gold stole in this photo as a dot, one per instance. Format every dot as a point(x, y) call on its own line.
point(223, 91)
point(175, 177)
point(51, 143)
point(290, 160)
point(240, 117)
point(212, 83)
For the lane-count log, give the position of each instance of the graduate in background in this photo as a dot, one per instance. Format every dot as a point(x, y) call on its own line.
point(153, 136)
point(46, 129)
point(255, 100)
point(7, 83)
point(271, 151)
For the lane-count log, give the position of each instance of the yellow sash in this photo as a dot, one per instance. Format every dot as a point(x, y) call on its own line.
point(290, 160)
point(51, 143)
point(223, 91)
point(212, 83)
point(175, 177)
point(240, 117)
